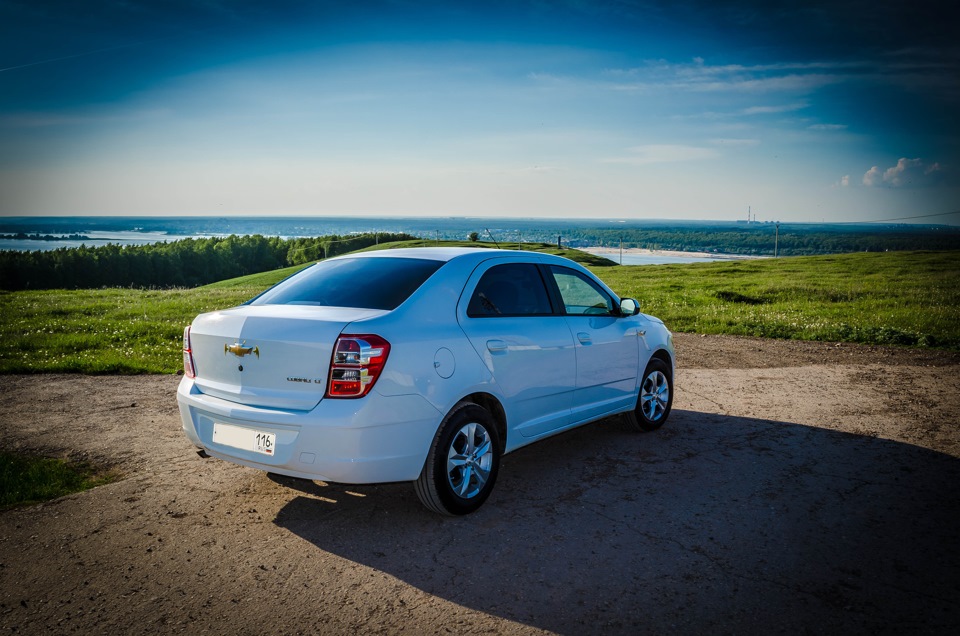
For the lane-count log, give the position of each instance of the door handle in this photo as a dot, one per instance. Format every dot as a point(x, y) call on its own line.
point(496, 345)
point(584, 338)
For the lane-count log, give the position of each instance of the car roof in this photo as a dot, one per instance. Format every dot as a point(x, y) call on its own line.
point(471, 257)
point(442, 253)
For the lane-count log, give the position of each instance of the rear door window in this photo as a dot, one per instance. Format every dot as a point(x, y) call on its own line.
point(511, 289)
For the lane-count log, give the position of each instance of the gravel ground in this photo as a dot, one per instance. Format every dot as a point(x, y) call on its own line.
point(798, 488)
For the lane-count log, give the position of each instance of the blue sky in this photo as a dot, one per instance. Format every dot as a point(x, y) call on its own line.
point(836, 111)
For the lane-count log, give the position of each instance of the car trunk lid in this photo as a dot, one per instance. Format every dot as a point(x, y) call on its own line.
point(275, 356)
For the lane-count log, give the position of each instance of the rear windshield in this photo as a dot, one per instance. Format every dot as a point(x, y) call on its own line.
point(366, 283)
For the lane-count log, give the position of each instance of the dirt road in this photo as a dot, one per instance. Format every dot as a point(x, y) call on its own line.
point(798, 488)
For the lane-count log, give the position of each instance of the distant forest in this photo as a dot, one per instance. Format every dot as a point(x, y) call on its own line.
point(186, 263)
point(762, 239)
point(194, 262)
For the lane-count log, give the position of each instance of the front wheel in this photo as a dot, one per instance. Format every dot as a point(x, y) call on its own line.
point(462, 464)
point(655, 399)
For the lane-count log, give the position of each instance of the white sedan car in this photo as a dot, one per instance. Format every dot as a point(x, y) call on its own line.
point(423, 365)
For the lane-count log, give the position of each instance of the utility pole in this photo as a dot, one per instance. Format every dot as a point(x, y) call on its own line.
point(776, 240)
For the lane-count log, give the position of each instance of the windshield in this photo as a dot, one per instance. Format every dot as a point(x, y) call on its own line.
point(364, 283)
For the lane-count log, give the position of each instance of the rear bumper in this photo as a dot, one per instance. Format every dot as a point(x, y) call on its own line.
point(371, 440)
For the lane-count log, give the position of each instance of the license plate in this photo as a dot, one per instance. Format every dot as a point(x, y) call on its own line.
point(244, 438)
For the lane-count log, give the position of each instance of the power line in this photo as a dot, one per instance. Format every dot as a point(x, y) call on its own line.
point(902, 218)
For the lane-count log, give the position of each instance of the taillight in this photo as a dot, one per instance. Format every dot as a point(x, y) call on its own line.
point(356, 365)
point(189, 369)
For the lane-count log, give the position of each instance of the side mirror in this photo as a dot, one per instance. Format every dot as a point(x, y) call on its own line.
point(629, 307)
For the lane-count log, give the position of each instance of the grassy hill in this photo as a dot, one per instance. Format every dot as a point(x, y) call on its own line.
point(903, 298)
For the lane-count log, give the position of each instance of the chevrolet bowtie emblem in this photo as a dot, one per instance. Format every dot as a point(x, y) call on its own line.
point(239, 350)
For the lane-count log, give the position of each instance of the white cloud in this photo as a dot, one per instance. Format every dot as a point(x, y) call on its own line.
point(827, 127)
point(786, 83)
point(737, 114)
point(710, 84)
point(663, 153)
point(699, 76)
point(873, 177)
point(767, 110)
point(778, 67)
point(907, 173)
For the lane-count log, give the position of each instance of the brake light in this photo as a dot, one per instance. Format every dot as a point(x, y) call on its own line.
point(189, 369)
point(356, 365)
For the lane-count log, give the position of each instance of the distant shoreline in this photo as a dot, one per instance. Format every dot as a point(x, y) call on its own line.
point(20, 236)
point(610, 252)
point(680, 241)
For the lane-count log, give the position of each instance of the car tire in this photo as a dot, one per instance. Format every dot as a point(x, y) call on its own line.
point(463, 462)
point(655, 398)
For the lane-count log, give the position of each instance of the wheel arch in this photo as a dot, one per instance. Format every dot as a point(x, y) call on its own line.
point(496, 410)
point(664, 356)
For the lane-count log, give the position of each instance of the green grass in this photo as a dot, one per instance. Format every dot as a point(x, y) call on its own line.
point(259, 281)
point(26, 479)
point(901, 298)
point(904, 298)
point(103, 330)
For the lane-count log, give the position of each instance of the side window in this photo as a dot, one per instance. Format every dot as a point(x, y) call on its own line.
point(580, 294)
point(513, 289)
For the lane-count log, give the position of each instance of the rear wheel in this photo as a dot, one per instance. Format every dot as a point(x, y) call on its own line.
point(655, 399)
point(462, 464)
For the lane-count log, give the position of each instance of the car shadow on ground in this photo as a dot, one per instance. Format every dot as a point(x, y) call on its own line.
point(713, 522)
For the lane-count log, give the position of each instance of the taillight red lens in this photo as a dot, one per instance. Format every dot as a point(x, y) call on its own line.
point(357, 363)
point(189, 369)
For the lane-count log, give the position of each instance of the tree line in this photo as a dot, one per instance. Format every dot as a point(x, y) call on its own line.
point(762, 239)
point(194, 262)
point(184, 263)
